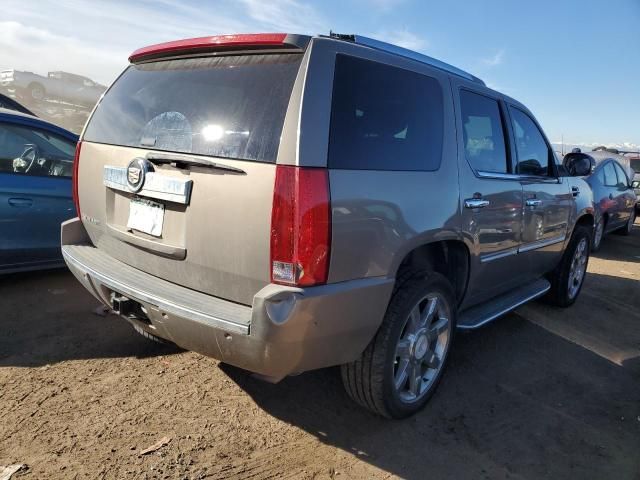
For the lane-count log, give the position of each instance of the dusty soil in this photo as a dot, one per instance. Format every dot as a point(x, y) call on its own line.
point(540, 393)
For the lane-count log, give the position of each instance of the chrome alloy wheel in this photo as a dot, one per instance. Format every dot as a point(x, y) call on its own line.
point(578, 267)
point(422, 348)
point(597, 237)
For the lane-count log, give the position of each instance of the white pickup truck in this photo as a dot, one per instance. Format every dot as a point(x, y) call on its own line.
point(58, 86)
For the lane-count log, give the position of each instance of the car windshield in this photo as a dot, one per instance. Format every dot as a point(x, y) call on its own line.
point(231, 106)
point(44, 152)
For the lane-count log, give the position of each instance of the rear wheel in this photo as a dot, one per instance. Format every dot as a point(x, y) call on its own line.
point(628, 228)
point(568, 277)
point(402, 366)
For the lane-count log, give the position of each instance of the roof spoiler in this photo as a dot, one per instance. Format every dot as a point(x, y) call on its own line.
point(254, 41)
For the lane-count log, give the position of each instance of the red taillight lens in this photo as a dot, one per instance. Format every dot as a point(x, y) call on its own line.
point(300, 226)
point(74, 178)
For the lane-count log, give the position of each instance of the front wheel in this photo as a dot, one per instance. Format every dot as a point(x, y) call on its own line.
point(402, 366)
point(598, 233)
point(568, 277)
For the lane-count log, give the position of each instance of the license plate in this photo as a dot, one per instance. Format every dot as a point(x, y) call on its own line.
point(146, 216)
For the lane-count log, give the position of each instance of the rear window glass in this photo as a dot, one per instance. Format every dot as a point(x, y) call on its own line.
point(230, 106)
point(384, 118)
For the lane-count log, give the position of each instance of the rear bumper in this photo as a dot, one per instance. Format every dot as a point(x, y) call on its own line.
point(286, 330)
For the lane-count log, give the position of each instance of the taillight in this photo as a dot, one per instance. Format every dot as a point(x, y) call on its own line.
point(300, 226)
point(74, 178)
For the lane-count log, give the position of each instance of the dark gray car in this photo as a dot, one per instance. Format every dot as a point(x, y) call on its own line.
point(613, 194)
point(285, 203)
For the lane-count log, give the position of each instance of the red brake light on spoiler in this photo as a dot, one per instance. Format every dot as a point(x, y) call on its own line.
point(220, 42)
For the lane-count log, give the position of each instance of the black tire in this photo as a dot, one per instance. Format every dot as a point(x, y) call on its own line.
point(150, 336)
point(559, 294)
point(628, 228)
point(597, 243)
point(369, 381)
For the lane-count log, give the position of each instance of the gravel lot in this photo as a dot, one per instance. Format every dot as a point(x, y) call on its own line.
point(540, 393)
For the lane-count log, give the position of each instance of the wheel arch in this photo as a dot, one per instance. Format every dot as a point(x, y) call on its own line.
point(450, 257)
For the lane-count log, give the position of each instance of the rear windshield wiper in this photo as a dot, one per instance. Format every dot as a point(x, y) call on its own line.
point(158, 158)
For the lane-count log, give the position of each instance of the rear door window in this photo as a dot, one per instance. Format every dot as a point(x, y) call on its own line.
point(228, 106)
point(482, 132)
point(623, 180)
point(384, 117)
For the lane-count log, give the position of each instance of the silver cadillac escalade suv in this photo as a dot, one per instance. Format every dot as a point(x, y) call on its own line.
point(284, 203)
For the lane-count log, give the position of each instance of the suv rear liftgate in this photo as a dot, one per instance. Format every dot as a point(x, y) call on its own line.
point(187, 147)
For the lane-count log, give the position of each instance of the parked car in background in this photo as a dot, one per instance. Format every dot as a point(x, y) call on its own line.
point(59, 86)
point(634, 160)
point(11, 104)
point(36, 162)
point(613, 193)
point(636, 188)
point(285, 203)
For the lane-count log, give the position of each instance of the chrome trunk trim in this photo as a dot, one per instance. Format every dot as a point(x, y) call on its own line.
point(155, 185)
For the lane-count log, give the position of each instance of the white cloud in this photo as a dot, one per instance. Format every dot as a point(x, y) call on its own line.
point(290, 16)
point(495, 60)
point(38, 50)
point(97, 41)
point(403, 38)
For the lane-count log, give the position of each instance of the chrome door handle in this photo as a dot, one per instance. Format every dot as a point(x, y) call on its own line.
point(533, 202)
point(476, 203)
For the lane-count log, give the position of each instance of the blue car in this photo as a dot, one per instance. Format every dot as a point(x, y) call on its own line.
point(36, 163)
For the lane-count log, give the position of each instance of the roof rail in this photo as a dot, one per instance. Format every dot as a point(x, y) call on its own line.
point(405, 52)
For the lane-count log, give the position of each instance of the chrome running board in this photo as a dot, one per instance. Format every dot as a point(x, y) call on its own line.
point(482, 314)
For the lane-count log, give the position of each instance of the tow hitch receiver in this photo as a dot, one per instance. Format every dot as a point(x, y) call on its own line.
point(122, 305)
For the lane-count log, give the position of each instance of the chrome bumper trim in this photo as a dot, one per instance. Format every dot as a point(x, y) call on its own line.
point(163, 304)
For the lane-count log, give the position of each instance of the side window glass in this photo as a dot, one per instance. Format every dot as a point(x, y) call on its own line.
point(623, 180)
point(600, 176)
point(483, 136)
point(610, 177)
point(531, 148)
point(28, 151)
point(384, 118)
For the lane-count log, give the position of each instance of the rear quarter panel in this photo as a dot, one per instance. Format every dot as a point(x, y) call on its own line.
point(378, 217)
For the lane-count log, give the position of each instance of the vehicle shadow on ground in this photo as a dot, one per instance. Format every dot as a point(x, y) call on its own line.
point(47, 317)
point(517, 401)
point(621, 248)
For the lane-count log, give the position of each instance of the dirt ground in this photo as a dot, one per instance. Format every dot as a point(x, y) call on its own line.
point(540, 393)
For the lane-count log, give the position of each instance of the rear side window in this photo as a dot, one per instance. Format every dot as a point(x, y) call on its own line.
point(230, 106)
point(482, 132)
point(384, 118)
point(610, 178)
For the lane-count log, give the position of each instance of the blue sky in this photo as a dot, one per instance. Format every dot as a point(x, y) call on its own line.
point(575, 64)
